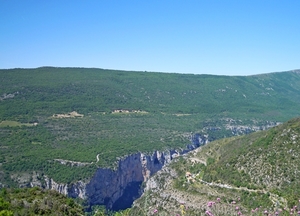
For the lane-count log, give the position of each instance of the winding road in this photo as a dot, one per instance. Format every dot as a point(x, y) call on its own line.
point(273, 197)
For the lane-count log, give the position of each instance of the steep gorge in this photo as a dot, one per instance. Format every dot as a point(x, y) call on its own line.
point(117, 189)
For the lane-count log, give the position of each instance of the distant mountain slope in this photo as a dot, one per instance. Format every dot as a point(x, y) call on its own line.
point(66, 122)
point(259, 170)
point(44, 91)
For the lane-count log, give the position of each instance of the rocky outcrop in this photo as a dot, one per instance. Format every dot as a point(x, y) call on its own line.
point(74, 190)
point(117, 189)
point(77, 189)
point(8, 95)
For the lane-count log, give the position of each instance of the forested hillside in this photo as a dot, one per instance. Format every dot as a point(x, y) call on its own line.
point(66, 122)
point(254, 174)
point(43, 91)
point(35, 201)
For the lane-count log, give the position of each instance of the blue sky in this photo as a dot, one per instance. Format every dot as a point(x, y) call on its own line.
point(225, 37)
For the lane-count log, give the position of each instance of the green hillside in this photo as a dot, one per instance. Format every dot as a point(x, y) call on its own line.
point(35, 201)
point(253, 173)
point(121, 112)
point(44, 91)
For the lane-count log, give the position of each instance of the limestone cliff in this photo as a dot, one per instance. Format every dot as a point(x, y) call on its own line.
point(117, 189)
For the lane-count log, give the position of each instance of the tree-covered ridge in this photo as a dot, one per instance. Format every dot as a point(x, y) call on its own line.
point(56, 90)
point(253, 174)
point(267, 160)
point(161, 111)
point(35, 201)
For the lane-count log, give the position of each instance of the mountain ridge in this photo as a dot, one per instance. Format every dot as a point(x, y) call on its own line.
point(259, 170)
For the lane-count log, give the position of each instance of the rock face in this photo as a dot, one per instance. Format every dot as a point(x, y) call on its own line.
point(74, 190)
point(117, 189)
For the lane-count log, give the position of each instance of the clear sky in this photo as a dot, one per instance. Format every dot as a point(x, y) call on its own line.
point(224, 37)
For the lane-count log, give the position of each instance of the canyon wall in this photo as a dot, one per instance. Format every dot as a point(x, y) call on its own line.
point(117, 189)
